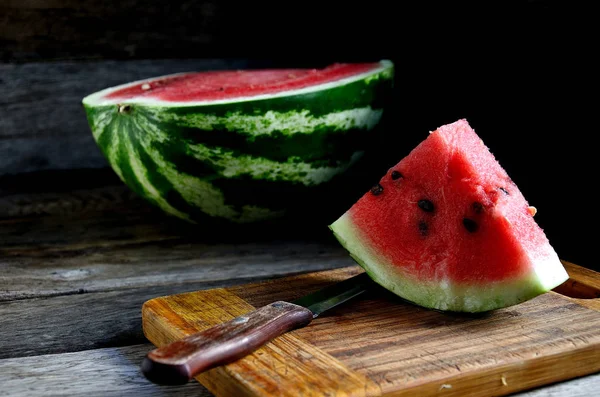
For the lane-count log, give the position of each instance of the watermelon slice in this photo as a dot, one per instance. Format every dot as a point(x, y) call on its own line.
point(446, 228)
point(242, 146)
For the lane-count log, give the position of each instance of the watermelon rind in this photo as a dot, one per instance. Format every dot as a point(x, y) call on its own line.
point(445, 294)
point(242, 159)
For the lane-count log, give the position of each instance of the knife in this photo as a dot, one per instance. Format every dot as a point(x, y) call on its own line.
point(180, 361)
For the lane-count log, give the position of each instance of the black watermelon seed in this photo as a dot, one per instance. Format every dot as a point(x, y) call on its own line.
point(426, 205)
point(423, 228)
point(377, 190)
point(470, 225)
point(396, 175)
point(504, 190)
point(477, 207)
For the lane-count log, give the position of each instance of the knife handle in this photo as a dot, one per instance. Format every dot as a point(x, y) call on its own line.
point(180, 361)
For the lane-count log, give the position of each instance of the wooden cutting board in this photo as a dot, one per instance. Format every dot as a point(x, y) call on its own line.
point(378, 345)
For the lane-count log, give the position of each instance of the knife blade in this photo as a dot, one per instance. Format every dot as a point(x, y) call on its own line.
point(180, 361)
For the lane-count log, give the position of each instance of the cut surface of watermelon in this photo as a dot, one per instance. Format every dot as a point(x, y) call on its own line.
point(447, 228)
point(223, 86)
point(243, 146)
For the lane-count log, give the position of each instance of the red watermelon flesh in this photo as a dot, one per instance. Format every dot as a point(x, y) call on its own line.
point(448, 229)
point(223, 85)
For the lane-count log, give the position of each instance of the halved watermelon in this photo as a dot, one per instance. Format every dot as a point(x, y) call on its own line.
point(447, 228)
point(239, 145)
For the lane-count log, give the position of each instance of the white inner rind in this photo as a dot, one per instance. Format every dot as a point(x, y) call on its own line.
point(446, 294)
point(98, 98)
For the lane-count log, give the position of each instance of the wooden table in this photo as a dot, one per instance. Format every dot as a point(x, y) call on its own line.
point(79, 256)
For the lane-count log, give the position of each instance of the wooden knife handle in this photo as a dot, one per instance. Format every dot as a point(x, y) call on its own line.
point(179, 361)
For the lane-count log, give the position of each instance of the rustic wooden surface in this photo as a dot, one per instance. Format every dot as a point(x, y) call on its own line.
point(395, 348)
point(276, 369)
point(110, 371)
point(71, 237)
point(79, 257)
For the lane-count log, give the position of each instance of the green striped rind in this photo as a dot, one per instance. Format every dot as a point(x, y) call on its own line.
point(245, 160)
point(447, 295)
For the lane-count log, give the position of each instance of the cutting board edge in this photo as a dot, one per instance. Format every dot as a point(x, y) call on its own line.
point(500, 381)
point(531, 373)
point(224, 380)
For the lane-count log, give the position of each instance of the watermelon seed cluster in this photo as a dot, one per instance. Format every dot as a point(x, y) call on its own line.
point(469, 223)
point(378, 189)
point(427, 205)
point(504, 190)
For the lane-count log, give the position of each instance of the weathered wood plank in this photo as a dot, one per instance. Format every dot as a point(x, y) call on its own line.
point(160, 263)
point(100, 239)
point(72, 231)
point(101, 372)
point(67, 204)
point(81, 321)
point(115, 372)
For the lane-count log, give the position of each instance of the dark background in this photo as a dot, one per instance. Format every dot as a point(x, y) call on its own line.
point(521, 72)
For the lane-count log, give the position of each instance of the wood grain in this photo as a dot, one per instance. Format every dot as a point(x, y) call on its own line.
point(147, 264)
point(83, 321)
point(65, 204)
point(274, 369)
point(87, 255)
point(100, 372)
point(583, 286)
point(73, 231)
point(115, 372)
point(407, 350)
point(99, 239)
point(113, 284)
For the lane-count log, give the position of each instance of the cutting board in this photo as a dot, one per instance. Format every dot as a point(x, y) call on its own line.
point(379, 345)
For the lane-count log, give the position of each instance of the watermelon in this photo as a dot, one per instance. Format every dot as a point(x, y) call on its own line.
point(241, 146)
point(446, 228)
